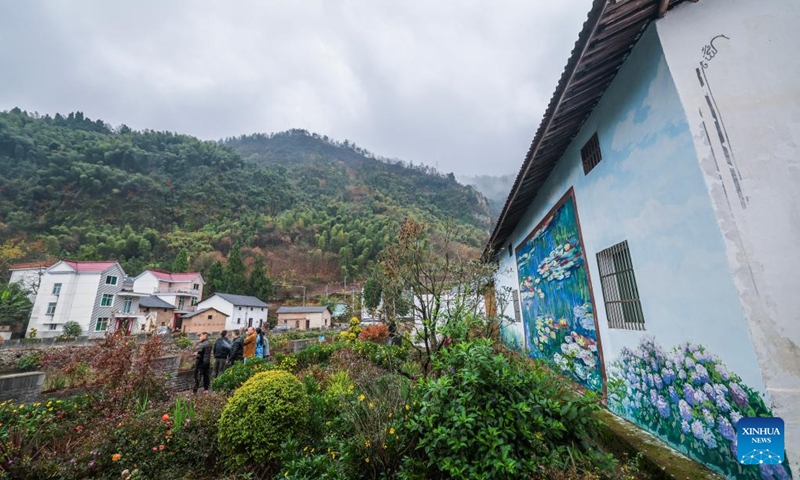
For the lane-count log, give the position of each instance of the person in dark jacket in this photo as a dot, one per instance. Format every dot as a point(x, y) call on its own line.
point(237, 349)
point(202, 364)
point(222, 350)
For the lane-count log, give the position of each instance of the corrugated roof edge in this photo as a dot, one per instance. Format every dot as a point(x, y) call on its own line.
point(594, 18)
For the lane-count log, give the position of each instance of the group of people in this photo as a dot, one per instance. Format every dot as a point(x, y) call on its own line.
point(246, 344)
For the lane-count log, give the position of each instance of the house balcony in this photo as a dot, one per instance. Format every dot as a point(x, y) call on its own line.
point(177, 291)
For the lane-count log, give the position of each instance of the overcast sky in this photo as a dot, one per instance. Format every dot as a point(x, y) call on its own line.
point(457, 84)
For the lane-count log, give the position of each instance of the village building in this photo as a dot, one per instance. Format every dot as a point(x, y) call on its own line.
point(157, 312)
point(209, 320)
point(242, 310)
point(647, 245)
point(312, 317)
point(28, 276)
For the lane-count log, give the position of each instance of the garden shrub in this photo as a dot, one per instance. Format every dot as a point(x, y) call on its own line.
point(183, 342)
point(238, 373)
point(267, 409)
point(488, 416)
point(375, 333)
point(315, 355)
point(72, 329)
point(30, 361)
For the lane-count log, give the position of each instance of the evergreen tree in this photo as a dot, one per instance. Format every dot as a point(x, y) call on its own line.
point(181, 262)
point(260, 285)
point(372, 295)
point(214, 280)
point(235, 277)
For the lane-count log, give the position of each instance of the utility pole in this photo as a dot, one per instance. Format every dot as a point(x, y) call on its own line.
point(304, 292)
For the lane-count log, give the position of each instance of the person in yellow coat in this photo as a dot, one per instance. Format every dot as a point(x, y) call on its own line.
point(250, 343)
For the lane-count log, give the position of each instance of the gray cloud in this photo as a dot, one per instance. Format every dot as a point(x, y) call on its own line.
point(459, 84)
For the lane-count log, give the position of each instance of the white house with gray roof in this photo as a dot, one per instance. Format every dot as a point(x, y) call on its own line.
point(313, 317)
point(242, 310)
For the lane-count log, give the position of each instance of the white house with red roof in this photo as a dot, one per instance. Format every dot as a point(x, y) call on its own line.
point(183, 290)
point(94, 294)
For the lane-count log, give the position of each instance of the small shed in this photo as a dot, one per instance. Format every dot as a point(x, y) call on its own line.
point(205, 320)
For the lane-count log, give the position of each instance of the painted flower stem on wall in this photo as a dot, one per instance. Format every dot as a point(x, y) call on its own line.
point(557, 309)
point(689, 399)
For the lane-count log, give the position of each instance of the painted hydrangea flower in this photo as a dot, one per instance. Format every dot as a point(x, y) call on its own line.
point(723, 372)
point(685, 410)
point(702, 373)
point(673, 394)
point(657, 380)
point(735, 417)
point(699, 397)
point(688, 394)
point(685, 428)
point(653, 397)
point(708, 416)
point(682, 374)
point(738, 395)
point(722, 404)
point(709, 439)
point(698, 430)
point(667, 375)
point(663, 407)
point(689, 363)
point(726, 429)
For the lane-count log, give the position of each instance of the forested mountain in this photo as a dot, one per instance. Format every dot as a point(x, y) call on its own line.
point(311, 207)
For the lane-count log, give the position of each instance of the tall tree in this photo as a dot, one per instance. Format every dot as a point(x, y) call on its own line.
point(215, 279)
point(181, 262)
point(235, 278)
point(372, 295)
point(15, 307)
point(259, 284)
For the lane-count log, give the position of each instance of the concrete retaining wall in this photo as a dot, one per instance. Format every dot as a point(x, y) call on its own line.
point(23, 387)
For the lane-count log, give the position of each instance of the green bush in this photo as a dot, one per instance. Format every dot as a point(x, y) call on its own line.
point(183, 342)
point(269, 408)
point(238, 373)
point(28, 362)
point(490, 416)
point(72, 329)
point(316, 354)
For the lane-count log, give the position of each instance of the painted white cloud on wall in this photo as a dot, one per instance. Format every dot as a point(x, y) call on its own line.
point(662, 107)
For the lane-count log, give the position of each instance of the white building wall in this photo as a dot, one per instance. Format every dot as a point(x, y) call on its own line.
point(238, 316)
point(145, 283)
point(736, 61)
point(75, 302)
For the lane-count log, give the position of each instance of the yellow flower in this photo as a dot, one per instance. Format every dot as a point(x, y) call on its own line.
point(50, 409)
point(391, 431)
point(116, 457)
point(370, 405)
point(333, 455)
point(361, 397)
point(367, 443)
point(390, 415)
point(366, 459)
point(384, 446)
point(22, 406)
point(407, 407)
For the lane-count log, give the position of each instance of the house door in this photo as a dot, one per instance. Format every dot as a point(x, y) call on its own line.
point(308, 324)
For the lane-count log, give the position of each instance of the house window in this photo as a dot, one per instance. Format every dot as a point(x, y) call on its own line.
point(196, 286)
point(210, 317)
point(181, 302)
point(107, 300)
point(515, 299)
point(147, 309)
point(510, 251)
point(101, 325)
point(238, 321)
point(126, 307)
point(111, 280)
point(251, 309)
point(57, 289)
point(262, 309)
point(52, 326)
point(194, 302)
point(621, 295)
point(51, 308)
point(590, 154)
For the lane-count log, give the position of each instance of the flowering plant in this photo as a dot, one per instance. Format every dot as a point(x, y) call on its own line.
point(687, 397)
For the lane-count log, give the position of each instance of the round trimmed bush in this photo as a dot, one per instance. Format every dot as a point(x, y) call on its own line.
point(263, 412)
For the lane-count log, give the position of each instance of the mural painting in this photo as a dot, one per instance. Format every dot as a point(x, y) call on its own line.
point(557, 308)
point(688, 398)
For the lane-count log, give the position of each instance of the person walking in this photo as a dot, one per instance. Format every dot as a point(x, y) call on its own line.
point(250, 343)
point(202, 364)
point(222, 350)
point(237, 349)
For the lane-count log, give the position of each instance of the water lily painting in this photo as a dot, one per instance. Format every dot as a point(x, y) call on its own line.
point(556, 301)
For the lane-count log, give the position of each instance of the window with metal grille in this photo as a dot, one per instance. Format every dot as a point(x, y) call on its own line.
point(517, 313)
point(590, 154)
point(623, 308)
